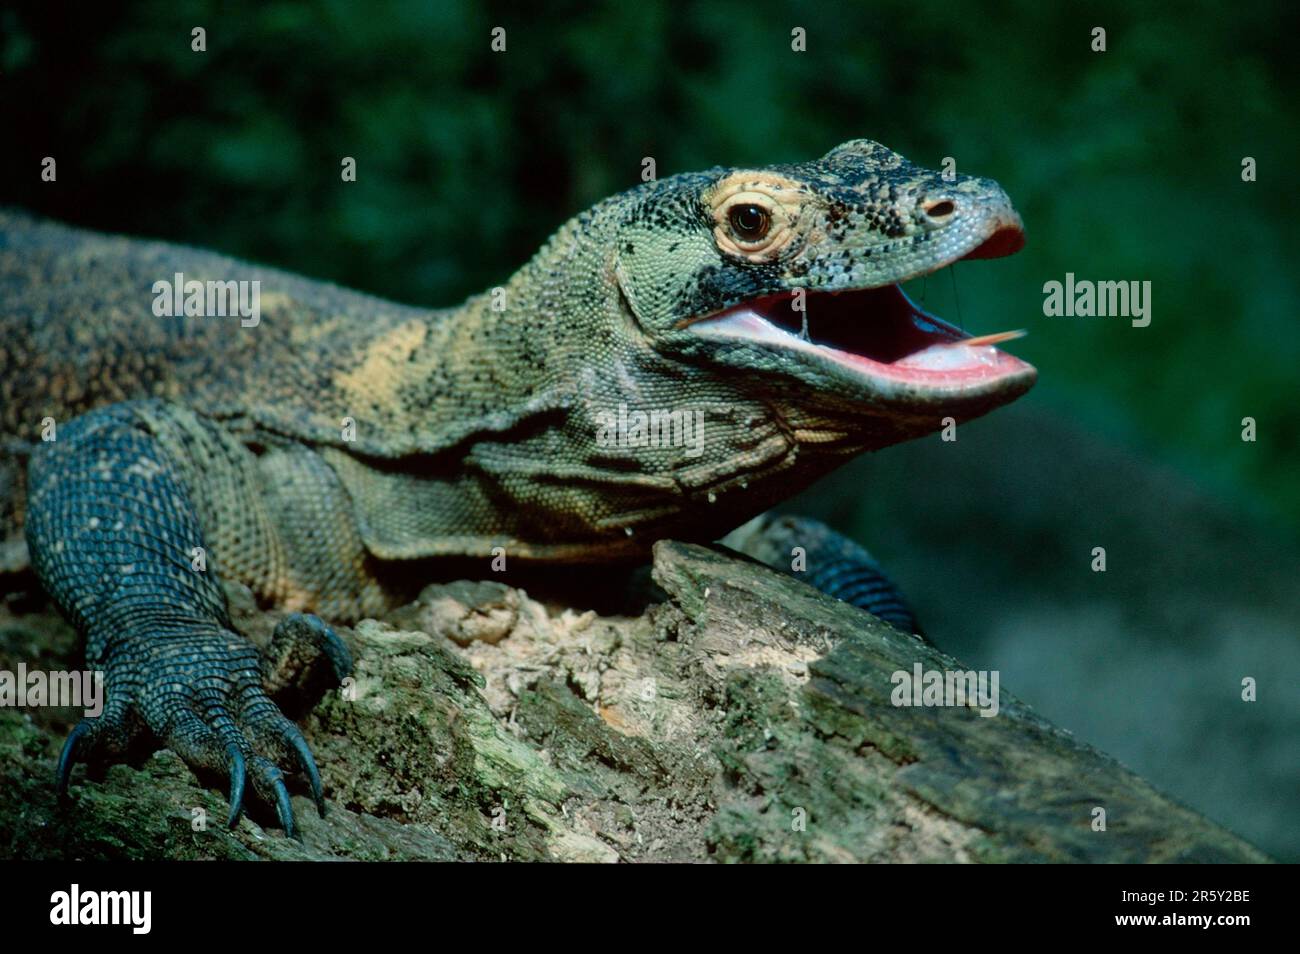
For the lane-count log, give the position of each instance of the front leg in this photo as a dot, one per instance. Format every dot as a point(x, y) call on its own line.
point(118, 536)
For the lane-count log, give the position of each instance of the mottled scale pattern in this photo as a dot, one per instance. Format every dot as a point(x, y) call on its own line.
point(315, 452)
point(114, 527)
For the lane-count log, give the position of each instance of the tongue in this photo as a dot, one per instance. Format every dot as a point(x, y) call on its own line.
point(967, 353)
point(949, 357)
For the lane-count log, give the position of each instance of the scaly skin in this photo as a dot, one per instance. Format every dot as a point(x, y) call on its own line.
point(473, 428)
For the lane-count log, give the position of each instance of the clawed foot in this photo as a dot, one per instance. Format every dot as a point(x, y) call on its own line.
point(202, 692)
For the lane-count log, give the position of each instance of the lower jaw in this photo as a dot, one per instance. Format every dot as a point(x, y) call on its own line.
point(942, 371)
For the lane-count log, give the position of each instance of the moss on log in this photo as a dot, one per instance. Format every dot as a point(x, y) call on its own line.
point(743, 717)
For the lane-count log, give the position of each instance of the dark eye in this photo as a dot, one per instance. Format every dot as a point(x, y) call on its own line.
point(750, 222)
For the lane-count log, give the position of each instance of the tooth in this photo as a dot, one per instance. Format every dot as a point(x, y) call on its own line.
point(995, 338)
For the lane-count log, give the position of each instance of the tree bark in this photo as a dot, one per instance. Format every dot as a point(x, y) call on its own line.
point(743, 717)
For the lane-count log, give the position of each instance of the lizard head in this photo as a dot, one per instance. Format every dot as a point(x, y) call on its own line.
point(790, 274)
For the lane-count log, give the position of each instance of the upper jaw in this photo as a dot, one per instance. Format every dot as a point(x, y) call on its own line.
point(876, 344)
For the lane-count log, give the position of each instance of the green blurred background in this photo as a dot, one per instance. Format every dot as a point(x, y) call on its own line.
point(1126, 165)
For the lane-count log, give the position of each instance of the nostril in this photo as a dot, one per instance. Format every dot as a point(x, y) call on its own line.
point(937, 210)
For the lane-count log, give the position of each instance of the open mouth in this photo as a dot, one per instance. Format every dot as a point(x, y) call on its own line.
point(880, 334)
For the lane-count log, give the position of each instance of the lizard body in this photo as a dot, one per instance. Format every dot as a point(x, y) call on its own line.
point(342, 435)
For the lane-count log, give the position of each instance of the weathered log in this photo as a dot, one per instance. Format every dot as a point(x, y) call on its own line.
point(744, 717)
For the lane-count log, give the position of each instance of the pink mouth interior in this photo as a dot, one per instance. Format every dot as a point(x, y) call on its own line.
point(877, 332)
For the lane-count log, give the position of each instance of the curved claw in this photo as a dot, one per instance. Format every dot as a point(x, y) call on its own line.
point(334, 649)
point(283, 809)
point(238, 779)
point(68, 757)
point(308, 764)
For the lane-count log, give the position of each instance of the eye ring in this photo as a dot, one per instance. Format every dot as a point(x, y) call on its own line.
point(749, 221)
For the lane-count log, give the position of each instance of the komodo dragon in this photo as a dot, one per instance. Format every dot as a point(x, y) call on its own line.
point(313, 453)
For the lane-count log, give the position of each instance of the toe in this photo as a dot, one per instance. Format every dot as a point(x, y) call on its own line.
point(80, 741)
point(268, 780)
point(99, 737)
point(303, 649)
